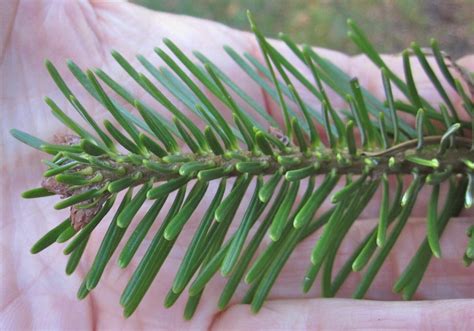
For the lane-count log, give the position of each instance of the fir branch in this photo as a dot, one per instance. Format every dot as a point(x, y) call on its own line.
point(165, 157)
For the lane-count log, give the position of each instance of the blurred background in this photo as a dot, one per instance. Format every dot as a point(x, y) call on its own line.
point(391, 24)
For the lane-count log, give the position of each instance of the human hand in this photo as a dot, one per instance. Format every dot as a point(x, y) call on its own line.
point(34, 291)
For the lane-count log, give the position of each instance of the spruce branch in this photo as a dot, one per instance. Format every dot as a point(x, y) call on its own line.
point(157, 158)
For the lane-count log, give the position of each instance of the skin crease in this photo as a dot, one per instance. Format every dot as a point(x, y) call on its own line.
point(35, 293)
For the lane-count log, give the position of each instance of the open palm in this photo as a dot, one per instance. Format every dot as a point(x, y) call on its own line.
point(34, 290)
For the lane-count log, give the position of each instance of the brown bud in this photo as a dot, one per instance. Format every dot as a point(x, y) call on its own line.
point(82, 217)
point(53, 186)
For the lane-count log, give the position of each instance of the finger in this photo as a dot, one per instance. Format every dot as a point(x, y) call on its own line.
point(339, 314)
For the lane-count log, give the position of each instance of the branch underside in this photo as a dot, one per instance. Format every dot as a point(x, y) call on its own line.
point(88, 171)
point(373, 164)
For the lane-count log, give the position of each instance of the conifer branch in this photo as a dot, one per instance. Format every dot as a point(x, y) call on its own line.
point(145, 153)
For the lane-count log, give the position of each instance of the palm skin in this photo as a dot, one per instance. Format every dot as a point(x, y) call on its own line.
point(34, 291)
